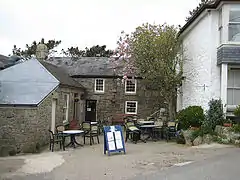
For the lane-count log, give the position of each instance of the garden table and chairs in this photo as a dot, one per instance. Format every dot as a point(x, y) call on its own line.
point(149, 131)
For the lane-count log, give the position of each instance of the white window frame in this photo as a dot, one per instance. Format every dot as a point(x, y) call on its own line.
point(95, 85)
point(66, 107)
point(131, 92)
point(126, 107)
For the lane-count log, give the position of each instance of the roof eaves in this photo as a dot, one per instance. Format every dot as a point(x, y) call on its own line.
point(17, 105)
point(197, 14)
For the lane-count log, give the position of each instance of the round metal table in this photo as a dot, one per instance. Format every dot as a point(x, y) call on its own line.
point(73, 134)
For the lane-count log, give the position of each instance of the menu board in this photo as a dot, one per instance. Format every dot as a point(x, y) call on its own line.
point(113, 139)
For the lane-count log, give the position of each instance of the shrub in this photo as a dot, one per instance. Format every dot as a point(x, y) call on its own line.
point(191, 116)
point(236, 128)
point(214, 115)
point(237, 111)
point(195, 134)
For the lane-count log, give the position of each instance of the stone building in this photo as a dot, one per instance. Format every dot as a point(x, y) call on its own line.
point(34, 97)
point(106, 96)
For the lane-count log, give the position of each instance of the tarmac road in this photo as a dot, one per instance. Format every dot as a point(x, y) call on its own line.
point(225, 167)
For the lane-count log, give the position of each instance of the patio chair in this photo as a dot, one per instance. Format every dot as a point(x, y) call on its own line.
point(170, 130)
point(59, 131)
point(132, 132)
point(158, 131)
point(55, 139)
point(90, 131)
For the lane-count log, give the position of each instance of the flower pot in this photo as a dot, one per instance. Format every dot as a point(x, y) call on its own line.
point(194, 128)
point(227, 124)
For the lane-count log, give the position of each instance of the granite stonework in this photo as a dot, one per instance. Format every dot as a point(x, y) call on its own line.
point(79, 106)
point(25, 129)
point(112, 101)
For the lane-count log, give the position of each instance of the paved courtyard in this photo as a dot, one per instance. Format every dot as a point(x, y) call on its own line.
point(89, 162)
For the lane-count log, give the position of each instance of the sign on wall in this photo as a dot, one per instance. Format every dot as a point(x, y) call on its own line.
point(113, 139)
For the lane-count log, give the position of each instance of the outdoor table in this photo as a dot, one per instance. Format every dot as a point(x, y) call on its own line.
point(72, 134)
point(148, 129)
point(94, 122)
point(146, 122)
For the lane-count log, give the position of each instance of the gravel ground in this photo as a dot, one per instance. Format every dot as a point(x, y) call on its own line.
point(89, 162)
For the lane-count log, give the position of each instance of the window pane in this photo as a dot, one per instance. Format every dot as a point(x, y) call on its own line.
point(236, 96)
point(234, 32)
point(230, 79)
point(65, 100)
point(99, 84)
point(234, 16)
point(220, 35)
point(230, 97)
point(131, 107)
point(237, 78)
point(220, 18)
point(130, 86)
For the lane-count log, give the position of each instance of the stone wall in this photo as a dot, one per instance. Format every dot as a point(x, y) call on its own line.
point(25, 129)
point(112, 101)
point(60, 103)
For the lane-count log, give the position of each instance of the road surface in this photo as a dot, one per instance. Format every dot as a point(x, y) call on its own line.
point(224, 167)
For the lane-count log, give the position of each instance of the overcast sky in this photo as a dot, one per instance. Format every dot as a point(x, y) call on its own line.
point(82, 23)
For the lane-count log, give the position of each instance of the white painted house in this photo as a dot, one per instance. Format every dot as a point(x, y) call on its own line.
point(211, 43)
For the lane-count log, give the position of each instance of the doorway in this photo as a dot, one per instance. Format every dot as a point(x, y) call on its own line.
point(91, 106)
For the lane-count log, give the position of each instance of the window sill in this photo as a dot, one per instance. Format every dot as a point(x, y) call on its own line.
point(130, 113)
point(229, 43)
point(98, 92)
point(130, 93)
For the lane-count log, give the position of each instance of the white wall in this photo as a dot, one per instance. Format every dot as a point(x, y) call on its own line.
point(200, 66)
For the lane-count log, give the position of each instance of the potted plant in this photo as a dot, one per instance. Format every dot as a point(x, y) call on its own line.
point(227, 123)
point(194, 128)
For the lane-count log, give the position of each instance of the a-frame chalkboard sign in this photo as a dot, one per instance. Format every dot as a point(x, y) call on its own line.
point(113, 139)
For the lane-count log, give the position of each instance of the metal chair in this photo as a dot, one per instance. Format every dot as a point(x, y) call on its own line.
point(90, 131)
point(171, 130)
point(132, 132)
point(54, 138)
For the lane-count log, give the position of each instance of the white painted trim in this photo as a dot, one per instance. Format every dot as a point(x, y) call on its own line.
point(131, 102)
point(224, 79)
point(135, 89)
point(67, 108)
point(53, 122)
point(95, 86)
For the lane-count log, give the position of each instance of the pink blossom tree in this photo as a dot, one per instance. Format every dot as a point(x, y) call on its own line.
point(152, 52)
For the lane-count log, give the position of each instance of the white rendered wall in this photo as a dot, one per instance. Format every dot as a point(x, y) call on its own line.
point(202, 82)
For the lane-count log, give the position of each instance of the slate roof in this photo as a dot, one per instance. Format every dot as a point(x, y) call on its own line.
point(3, 61)
point(6, 62)
point(26, 83)
point(90, 66)
point(29, 82)
point(61, 75)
